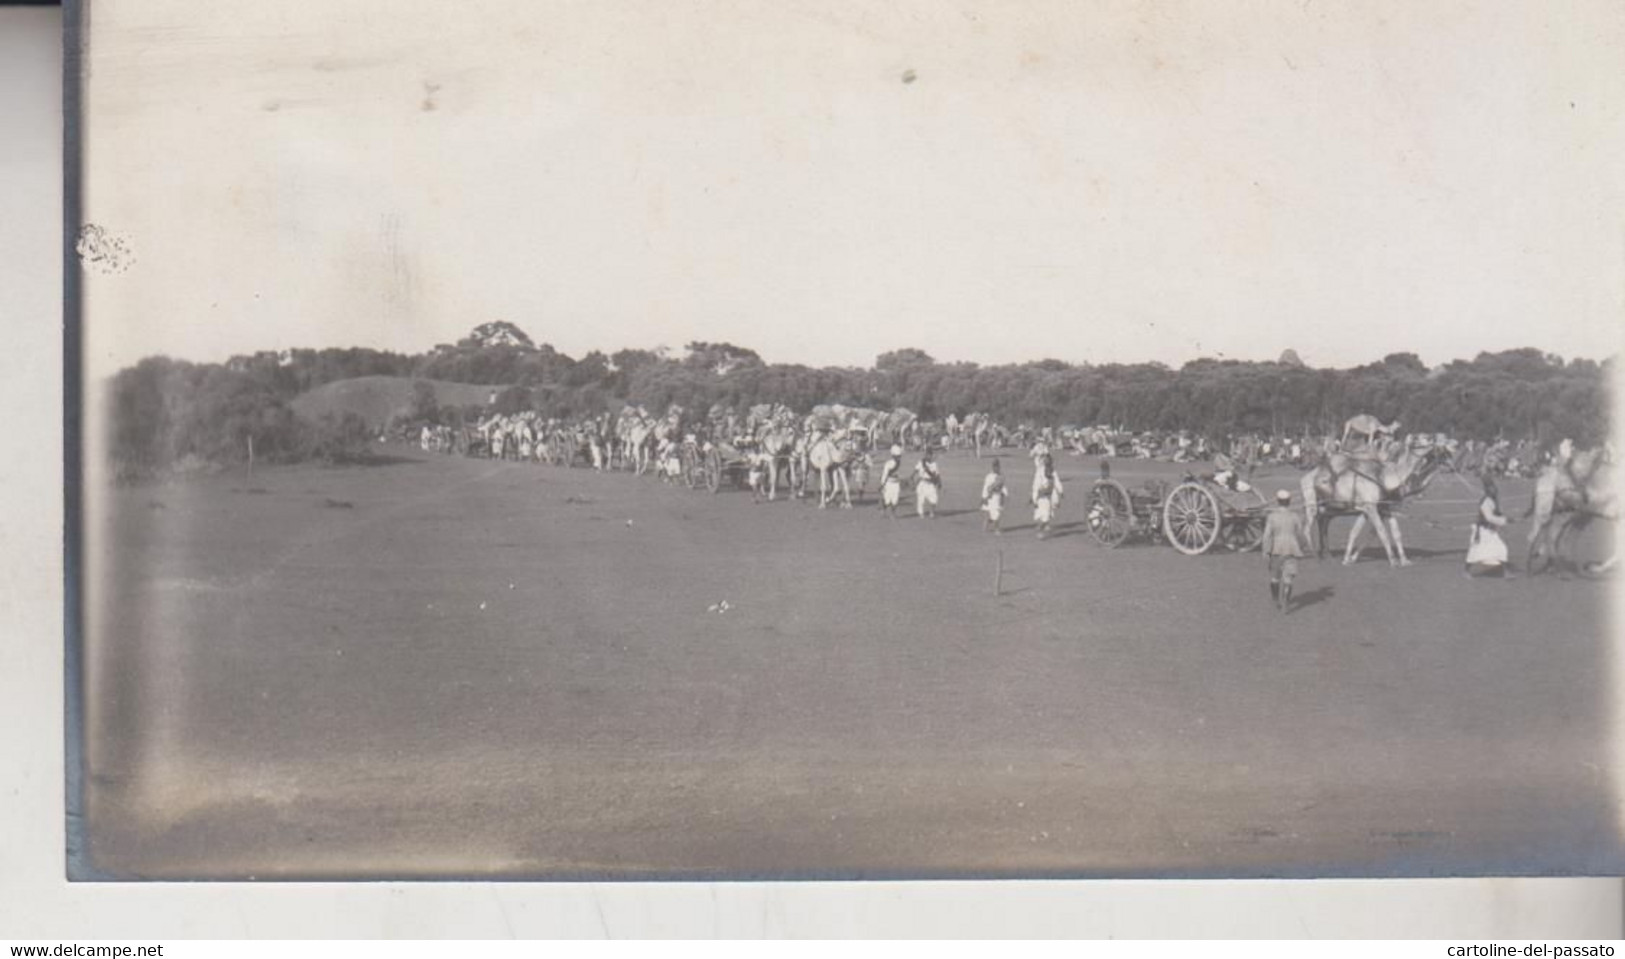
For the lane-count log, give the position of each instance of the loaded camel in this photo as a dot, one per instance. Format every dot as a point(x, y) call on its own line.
point(828, 454)
point(1580, 486)
point(1369, 488)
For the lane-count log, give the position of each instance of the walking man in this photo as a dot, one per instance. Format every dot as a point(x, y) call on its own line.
point(1285, 539)
point(891, 482)
point(993, 497)
point(1046, 495)
point(927, 485)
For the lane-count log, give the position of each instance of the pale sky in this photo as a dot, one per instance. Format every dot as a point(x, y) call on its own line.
point(1101, 182)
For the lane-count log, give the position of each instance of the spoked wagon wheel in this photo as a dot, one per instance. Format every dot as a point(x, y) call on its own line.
point(1243, 532)
point(713, 471)
point(1110, 513)
point(561, 451)
point(1191, 518)
point(693, 468)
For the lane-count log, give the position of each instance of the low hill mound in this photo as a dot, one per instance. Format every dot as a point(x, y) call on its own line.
point(378, 398)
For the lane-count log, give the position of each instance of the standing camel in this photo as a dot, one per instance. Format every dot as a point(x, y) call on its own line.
point(777, 441)
point(827, 454)
point(1369, 488)
point(637, 441)
point(981, 432)
point(1582, 486)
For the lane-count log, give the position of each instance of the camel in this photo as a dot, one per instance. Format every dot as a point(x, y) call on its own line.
point(978, 426)
point(777, 441)
point(636, 433)
point(1368, 426)
point(1582, 486)
point(769, 416)
point(1369, 488)
point(828, 454)
point(895, 427)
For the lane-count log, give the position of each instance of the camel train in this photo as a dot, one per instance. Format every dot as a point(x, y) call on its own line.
point(1368, 475)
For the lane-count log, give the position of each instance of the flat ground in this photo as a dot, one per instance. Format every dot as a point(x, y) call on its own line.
point(457, 667)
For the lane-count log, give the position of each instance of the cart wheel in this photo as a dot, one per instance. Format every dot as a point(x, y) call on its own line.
point(1110, 513)
point(1191, 518)
point(713, 471)
point(1243, 533)
point(692, 467)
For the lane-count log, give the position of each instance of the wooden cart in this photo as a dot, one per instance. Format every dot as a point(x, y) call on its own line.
point(709, 465)
point(1193, 517)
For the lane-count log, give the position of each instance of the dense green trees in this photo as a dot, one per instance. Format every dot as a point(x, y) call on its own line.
point(165, 410)
point(169, 415)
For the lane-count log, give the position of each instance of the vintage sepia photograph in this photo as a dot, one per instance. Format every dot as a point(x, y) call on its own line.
point(623, 440)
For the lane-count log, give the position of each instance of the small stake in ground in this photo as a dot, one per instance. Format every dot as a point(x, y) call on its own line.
point(998, 576)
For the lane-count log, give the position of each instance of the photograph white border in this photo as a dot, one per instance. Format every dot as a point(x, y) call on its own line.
point(40, 903)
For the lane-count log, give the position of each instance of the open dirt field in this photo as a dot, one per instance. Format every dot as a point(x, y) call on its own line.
point(458, 667)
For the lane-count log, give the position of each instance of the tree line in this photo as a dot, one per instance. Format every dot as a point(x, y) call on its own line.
point(165, 410)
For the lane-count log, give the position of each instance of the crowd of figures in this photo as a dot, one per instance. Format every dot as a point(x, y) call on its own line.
point(636, 439)
point(169, 416)
point(1367, 471)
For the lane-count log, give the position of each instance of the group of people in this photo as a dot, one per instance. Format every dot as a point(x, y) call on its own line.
point(1286, 534)
point(926, 480)
point(1286, 540)
point(1046, 495)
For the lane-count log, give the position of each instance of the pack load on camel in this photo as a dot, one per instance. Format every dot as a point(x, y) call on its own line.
point(1369, 427)
point(899, 426)
point(831, 455)
point(1368, 484)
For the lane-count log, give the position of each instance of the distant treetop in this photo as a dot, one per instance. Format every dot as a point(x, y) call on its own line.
point(901, 359)
point(719, 358)
point(497, 333)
